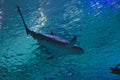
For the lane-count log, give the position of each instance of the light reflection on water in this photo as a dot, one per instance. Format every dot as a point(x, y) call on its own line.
point(39, 20)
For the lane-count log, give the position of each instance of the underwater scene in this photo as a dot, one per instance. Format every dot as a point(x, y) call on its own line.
point(59, 39)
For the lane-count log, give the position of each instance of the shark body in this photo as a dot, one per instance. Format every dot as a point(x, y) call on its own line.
point(53, 42)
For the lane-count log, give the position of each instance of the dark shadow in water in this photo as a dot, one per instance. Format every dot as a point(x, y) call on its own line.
point(116, 69)
point(44, 51)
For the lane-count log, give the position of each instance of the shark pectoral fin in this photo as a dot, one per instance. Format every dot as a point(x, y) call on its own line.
point(72, 42)
point(50, 57)
point(53, 56)
point(52, 32)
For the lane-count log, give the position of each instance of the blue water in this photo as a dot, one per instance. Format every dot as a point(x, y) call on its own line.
point(95, 22)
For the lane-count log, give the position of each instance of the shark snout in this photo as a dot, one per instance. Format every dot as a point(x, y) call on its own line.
point(77, 50)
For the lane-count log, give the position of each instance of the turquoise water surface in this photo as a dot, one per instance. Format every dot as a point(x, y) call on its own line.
point(96, 23)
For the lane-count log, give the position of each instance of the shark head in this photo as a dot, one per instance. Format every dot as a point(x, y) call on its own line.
point(74, 49)
point(77, 50)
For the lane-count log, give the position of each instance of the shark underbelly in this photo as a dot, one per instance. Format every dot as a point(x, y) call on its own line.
point(59, 49)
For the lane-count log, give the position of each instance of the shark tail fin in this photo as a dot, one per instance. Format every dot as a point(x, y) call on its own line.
point(26, 28)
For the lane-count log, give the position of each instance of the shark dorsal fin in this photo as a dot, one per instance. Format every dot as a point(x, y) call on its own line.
point(73, 41)
point(52, 32)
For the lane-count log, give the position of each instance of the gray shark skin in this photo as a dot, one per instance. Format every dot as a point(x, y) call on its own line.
point(53, 42)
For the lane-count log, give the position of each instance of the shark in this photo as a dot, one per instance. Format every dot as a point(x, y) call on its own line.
point(52, 41)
